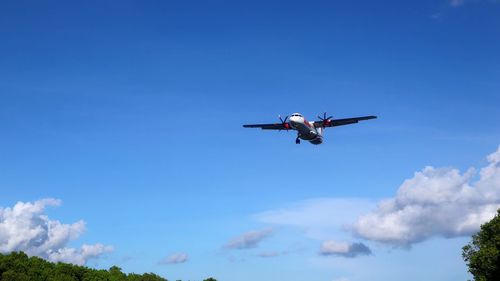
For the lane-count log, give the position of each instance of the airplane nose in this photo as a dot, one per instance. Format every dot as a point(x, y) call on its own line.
point(292, 121)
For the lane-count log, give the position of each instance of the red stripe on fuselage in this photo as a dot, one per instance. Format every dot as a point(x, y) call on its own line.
point(307, 123)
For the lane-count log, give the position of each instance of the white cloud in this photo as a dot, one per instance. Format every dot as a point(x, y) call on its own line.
point(26, 227)
point(175, 259)
point(249, 239)
point(78, 256)
point(344, 249)
point(435, 202)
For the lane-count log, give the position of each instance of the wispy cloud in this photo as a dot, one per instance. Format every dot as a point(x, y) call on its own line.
point(456, 3)
point(268, 254)
point(272, 254)
point(249, 239)
point(319, 217)
point(26, 227)
point(435, 202)
point(344, 249)
point(175, 259)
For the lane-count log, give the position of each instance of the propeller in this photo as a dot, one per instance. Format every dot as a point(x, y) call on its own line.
point(326, 120)
point(283, 121)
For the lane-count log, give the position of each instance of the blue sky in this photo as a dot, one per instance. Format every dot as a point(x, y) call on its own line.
point(130, 113)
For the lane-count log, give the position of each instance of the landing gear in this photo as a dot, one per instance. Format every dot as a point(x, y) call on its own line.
point(297, 140)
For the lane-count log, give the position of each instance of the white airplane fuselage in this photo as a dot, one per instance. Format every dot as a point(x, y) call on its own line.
point(305, 129)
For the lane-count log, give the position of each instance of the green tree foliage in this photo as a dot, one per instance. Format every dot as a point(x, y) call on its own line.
point(210, 279)
point(482, 254)
point(17, 266)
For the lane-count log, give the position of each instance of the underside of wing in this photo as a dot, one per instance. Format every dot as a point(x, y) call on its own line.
point(341, 122)
point(275, 126)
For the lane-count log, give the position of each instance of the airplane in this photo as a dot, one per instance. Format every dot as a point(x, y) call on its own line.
point(309, 131)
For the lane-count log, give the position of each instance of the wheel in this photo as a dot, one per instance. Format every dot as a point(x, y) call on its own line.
point(297, 141)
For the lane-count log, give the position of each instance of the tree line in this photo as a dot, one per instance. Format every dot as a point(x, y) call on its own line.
point(17, 266)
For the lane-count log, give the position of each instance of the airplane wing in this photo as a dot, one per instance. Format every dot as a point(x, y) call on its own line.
point(341, 122)
point(275, 126)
